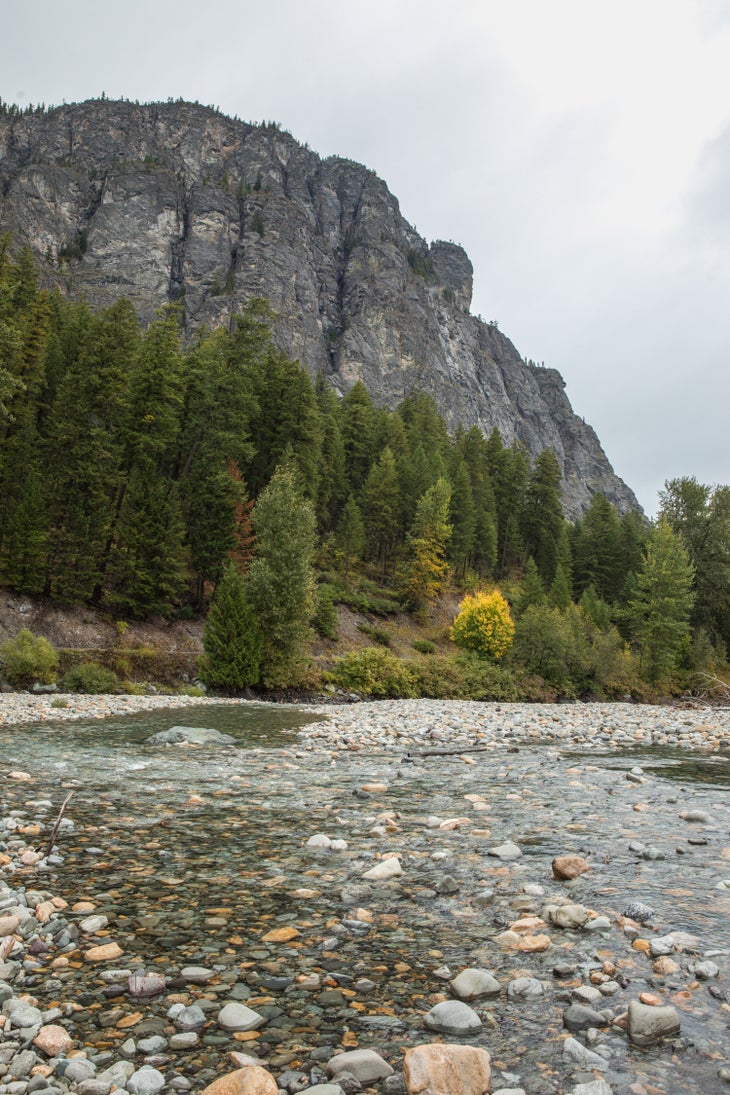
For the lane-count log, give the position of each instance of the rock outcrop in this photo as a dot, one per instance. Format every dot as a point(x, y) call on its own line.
point(175, 201)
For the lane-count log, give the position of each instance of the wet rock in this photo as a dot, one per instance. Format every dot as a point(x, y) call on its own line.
point(507, 851)
point(251, 1080)
point(53, 1040)
point(453, 1017)
point(582, 1017)
point(647, 1025)
point(524, 988)
point(190, 735)
point(436, 1069)
point(237, 1017)
point(387, 868)
point(145, 1081)
point(638, 911)
point(472, 983)
point(567, 867)
point(569, 916)
point(365, 1065)
point(579, 1055)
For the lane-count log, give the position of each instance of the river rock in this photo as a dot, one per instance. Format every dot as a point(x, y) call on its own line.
point(639, 912)
point(567, 867)
point(387, 868)
point(650, 1024)
point(237, 1017)
point(439, 1069)
point(53, 1040)
point(196, 975)
point(364, 1064)
point(472, 983)
point(582, 1017)
point(190, 735)
point(506, 851)
point(251, 1080)
point(569, 916)
point(453, 1017)
point(524, 988)
point(585, 1058)
point(145, 1081)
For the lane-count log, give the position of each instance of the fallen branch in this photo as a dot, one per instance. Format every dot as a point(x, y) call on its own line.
point(54, 831)
point(453, 752)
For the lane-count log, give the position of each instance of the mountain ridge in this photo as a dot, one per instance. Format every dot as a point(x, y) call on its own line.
point(175, 201)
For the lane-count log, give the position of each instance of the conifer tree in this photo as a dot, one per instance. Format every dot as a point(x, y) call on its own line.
point(462, 516)
point(428, 540)
point(280, 581)
point(661, 607)
point(350, 535)
point(542, 516)
point(231, 638)
point(381, 507)
point(357, 424)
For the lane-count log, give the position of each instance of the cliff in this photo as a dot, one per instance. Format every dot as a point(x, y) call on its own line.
point(175, 201)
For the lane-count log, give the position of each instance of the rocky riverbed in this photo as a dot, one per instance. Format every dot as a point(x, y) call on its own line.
point(548, 885)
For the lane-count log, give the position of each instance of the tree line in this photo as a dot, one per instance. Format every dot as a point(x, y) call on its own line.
point(136, 469)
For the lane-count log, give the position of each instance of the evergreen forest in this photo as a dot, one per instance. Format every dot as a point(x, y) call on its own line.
point(148, 475)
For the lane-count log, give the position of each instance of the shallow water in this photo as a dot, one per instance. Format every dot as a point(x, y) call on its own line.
point(195, 853)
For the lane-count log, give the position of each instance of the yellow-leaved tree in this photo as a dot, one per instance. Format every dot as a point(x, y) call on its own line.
point(484, 624)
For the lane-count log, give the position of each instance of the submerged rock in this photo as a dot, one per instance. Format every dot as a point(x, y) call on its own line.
point(190, 735)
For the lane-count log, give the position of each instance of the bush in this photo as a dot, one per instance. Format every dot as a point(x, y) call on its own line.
point(484, 624)
point(424, 646)
point(570, 653)
point(485, 681)
point(378, 634)
point(374, 671)
point(324, 620)
point(28, 658)
point(90, 677)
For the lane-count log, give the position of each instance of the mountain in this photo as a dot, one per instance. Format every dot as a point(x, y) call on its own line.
point(175, 201)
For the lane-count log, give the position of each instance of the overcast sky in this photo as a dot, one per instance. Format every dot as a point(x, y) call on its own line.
point(578, 149)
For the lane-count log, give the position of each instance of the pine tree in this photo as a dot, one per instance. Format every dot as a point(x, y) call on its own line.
point(350, 535)
point(280, 581)
point(357, 424)
point(462, 516)
point(381, 507)
point(542, 516)
point(532, 590)
point(428, 540)
point(661, 607)
point(231, 638)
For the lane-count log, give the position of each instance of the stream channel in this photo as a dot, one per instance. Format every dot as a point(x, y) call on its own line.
point(195, 854)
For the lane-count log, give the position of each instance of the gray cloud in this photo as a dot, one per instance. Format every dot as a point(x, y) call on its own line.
point(563, 165)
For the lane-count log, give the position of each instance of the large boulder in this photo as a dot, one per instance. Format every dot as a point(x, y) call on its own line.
point(190, 735)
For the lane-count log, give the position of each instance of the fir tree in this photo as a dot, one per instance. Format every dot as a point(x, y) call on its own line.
point(231, 639)
point(280, 581)
point(661, 607)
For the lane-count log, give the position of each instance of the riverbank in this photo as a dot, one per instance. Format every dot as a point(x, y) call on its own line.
point(418, 723)
point(371, 882)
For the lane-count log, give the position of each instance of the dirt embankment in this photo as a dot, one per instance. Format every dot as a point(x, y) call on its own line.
point(80, 628)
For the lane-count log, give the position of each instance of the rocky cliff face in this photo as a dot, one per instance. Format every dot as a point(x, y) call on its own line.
point(175, 201)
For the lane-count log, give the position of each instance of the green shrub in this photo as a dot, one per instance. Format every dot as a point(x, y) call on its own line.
point(374, 671)
point(324, 620)
point(441, 678)
point(90, 677)
point(485, 681)
point(424, 646)
point(28, 658)
point(378, 634)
